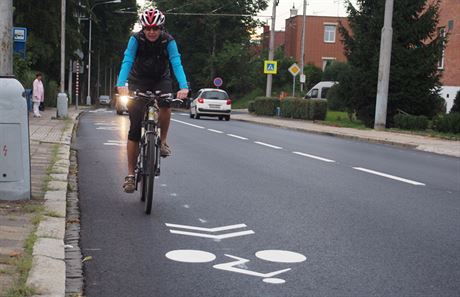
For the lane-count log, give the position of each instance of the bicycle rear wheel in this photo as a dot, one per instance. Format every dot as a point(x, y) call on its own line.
point(151, 150)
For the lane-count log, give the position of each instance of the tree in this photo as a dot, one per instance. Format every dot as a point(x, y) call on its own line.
point(416, 49)
point(332, 72)
point(43, 21)
point(313, 76)
point(214, 45)
point(456, 106)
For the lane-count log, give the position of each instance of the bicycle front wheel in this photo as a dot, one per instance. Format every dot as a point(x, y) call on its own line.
point(151, 150)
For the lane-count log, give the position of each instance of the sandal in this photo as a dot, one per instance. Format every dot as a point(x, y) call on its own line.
point(165, 150)
point(129, 184)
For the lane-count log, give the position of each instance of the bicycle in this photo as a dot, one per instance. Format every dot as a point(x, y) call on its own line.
point(148, 161)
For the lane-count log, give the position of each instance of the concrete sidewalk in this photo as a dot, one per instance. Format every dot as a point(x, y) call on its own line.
point(423, 143)
point(49, 156)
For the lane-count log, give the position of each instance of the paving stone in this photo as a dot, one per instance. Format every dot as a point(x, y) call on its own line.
point(61, 170)
point(59, 177)
point(57, 185)
point(49, 247)
point(52, 228)
point(47, 276)
point(56, 206)
point(55, 195)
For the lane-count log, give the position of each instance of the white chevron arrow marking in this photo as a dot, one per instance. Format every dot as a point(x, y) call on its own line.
point(217, 229)
point(211, 230)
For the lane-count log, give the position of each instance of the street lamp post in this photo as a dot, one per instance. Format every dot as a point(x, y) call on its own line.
point(88, 97)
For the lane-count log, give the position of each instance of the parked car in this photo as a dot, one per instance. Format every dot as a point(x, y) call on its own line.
point(104, 99)
point(319, 91)
point(212, 103)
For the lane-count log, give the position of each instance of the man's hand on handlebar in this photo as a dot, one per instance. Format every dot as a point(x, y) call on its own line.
point(182, 94)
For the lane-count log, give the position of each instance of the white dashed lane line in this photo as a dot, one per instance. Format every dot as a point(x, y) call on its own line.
point(269, 145)
point(185, 123)
point(313, 157)
point(412, 182)
point(236, 136)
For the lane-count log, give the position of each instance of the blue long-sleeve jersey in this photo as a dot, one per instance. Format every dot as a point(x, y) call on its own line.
point(130, 57)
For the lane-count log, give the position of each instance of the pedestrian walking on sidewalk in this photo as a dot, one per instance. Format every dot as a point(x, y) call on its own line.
point(38, 94)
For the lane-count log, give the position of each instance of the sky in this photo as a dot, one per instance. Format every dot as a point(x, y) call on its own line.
point(314, 7)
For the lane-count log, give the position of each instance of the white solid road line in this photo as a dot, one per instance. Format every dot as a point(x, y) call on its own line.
point(269, 145)
point(216, 131)
point(236, 136)
point(412, 182)
point(313, 157)
point(185, 123)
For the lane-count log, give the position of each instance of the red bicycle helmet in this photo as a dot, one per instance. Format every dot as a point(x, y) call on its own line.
point(152, 17)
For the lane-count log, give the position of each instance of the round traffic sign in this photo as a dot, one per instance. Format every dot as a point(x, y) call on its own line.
point(218, 81)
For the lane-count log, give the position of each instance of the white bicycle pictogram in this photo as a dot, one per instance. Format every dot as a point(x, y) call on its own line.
point(278, 256)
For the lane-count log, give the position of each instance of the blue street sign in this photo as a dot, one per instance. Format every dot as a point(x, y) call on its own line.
point(218, 82)
point(19, 41)
point(19, 34)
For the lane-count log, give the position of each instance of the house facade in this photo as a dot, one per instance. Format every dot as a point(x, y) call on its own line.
point(449, 23)
point(323, 43)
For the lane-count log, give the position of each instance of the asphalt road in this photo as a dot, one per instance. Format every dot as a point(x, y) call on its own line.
point(301, 215)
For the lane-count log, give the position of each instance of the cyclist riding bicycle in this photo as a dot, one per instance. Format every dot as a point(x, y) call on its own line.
point(145, 67)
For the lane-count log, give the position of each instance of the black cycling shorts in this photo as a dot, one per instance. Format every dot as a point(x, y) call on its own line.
point(136, 108)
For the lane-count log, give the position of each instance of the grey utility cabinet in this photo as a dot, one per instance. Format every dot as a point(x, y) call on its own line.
point(14, 141)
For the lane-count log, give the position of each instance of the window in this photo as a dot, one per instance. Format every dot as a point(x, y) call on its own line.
point(324, 92)
point(442, 34)
point(214, 95)
point(314, 93)
point(327, 61)
point(329, 33)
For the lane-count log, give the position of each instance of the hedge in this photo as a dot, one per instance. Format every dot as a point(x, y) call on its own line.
point(447, 123)
point(290, 107)
point(266, 105)
point(410, 122)
point(317, 109)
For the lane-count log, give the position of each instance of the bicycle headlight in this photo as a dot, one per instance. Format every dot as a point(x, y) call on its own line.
point(124, 100)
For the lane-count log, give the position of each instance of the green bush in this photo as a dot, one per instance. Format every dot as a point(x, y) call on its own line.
point(449, 123)
point(295, 108)
point(317, 109)
point(251, 106)
point(266, 105)
point(334, 100)
point(410, 122)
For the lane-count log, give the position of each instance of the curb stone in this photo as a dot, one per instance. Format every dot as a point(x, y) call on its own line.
point(48, 272)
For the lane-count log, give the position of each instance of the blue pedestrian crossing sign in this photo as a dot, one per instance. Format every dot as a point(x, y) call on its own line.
point(270, 67)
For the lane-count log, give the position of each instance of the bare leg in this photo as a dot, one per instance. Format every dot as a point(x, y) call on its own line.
point(133, 152)
point(165, 118)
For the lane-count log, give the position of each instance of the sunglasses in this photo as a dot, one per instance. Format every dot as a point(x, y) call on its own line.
point(152, 28)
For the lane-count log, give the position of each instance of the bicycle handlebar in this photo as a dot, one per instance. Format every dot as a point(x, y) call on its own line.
point(151, 96)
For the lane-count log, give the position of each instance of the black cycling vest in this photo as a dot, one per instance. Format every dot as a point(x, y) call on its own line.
point(152, 60)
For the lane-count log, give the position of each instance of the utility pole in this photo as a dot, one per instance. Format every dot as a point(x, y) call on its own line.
point(302, 45)
point(271, 49)
point(384, 68)
point(6, 38)
point(63, 2)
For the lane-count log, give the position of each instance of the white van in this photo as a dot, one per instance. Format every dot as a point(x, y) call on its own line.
point(319, 91)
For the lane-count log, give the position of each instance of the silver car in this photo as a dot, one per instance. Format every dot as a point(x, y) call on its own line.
point(104, 99)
